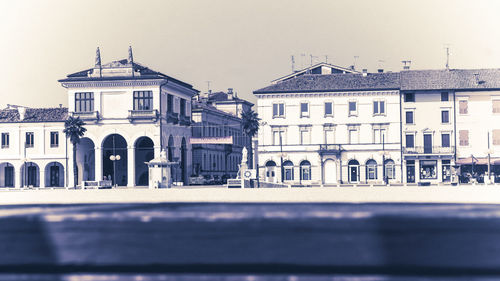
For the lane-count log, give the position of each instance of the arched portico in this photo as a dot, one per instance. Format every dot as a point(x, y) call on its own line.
point(7, 172)
point(85, 159)
point(54, 174)
point(114, 159)
point(30, 175)
point(144, 152)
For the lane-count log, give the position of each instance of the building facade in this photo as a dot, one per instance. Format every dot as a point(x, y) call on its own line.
point(131, 113)
point(330, 129)
point(217, 135)
point(327, 128)
point(33, 148)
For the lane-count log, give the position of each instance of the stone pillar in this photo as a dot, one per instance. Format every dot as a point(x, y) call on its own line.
point(42, 178)
point(98, 163)
point(17, 176)
point(130, 166)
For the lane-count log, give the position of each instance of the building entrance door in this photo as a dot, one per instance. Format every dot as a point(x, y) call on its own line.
point(427, 143)
point(54, 175)
point(410, 171)
point(9, 176)
point(330, 172)
point(353, 170)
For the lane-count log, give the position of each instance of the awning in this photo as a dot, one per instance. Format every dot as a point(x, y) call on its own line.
point(477, 161)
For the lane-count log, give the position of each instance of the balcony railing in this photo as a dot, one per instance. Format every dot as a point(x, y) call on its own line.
point(87, 115)
point(143, 115)
point(429, 150)
point(185, 120)
point(329, 148)
point(173, 117)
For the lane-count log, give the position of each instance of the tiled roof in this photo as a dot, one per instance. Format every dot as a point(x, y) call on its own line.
point(452, 79)
point(58, 114)
point(335, 82)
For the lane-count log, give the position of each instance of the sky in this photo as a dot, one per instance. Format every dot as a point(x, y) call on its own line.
point(234, 44)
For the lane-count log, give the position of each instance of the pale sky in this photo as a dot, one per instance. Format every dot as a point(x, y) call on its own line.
point(234, 44)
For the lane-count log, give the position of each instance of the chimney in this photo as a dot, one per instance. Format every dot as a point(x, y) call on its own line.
point(380, 70)
point(22, 112)
point(351, 67)
point(230, 93)
point(365, 72)
point(60, 105)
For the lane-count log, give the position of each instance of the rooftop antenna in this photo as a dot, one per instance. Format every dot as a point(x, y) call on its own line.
point(131, 59)
point(406, 64)
point(98, 61)
point(293, 64)
point(302, 60)
point(355, 59)
point(381, 65)
point(326, 58)
point(208, 86)
point(447, 47)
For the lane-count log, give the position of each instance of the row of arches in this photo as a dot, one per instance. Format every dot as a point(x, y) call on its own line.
point(115, 159)
point(330, 171)
point(29, 174)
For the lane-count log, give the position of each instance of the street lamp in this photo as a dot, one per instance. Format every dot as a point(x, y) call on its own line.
point(114, 158)
point(489, 151)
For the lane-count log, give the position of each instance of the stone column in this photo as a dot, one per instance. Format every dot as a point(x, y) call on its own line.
point(98, 163)
point(130, 166)
point(17, 176)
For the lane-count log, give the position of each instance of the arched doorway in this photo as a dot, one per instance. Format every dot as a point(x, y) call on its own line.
point(54, 174)
point(305, 170)
point(288, 170)
point(270, 171)
point(330, 171)
point(30, 173)
point(114, 159)
point(371, 170)
point(353, 171)
point(183, 160)
point(85, 159)
point(6, 175)
point(144, 152)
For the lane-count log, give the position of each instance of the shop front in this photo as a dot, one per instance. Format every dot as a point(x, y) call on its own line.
point(428, 170)
point(475, 169)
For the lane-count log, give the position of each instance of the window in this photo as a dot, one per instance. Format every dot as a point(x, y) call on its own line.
point(278, 110)
point(54, 139)
point(463, 107)
point(379, 135)
point(409, 117)
point(371, 170)
point(143, 100)
point(170, 103)
point(183, 107)
point(390, 169)
point(353, 136)
point(279, 136)
point(288, 170)
point(328, 108)
point(304, 109)
point(463, 136)
point(445, 140)
point(379, 107)
point(428, 169)
point(305, 135)
point(5, 140)
point(305, 170)
point(410, 140)
point(444, 96)
point(496, 137)
point(30, 139)
point(84, 102)
point(329, 134)
point(445, 116)
point(353, 108)
point(409, 97)
point(496, 106)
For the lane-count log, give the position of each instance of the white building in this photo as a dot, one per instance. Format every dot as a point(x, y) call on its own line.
point(130, 111)
point(330, 129)
point(33, 148)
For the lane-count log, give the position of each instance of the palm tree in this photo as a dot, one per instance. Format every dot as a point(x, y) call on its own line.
point(74, 130)
point(250, 122)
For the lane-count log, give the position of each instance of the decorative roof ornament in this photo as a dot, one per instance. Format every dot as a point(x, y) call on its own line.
point(130, 57)
point(98, 58)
